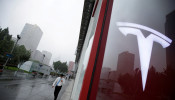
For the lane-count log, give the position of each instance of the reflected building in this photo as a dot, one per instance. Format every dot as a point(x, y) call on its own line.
point(113, 75)
point(105, 85)
point(170, 32)
point(105, 73)
point(125, 63)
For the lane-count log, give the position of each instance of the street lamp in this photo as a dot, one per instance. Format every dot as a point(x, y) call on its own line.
point(18, 37)
point(43, 58)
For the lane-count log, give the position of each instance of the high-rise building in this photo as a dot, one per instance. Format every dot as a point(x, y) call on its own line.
point(30, 37)
point(125, 63)
point(70, 67)
point(170, 32)
point(38, 56)
point(47, 57)
point(43, 57)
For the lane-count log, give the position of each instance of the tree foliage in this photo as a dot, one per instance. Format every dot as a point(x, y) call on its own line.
point(6, 43)
point(20, 54)
point(159, 85)
point(61, 66)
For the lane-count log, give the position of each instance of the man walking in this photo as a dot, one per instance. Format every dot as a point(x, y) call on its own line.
point(58, 85)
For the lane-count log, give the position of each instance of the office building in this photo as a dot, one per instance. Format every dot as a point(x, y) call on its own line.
point(47, 57)
point(70, 67)
point(125, 63)
point(30, 37)
point(38, 56)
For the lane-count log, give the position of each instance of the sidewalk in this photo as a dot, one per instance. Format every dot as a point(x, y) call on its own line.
point(67, 94)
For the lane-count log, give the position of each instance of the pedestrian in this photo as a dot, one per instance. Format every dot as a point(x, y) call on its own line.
point(58, 85)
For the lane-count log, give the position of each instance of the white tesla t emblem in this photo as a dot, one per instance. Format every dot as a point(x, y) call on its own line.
point(145, 43)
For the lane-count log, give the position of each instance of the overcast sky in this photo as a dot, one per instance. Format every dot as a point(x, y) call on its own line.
point(58, 19)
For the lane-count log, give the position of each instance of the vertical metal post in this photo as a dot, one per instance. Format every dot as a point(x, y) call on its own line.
point(18, 37)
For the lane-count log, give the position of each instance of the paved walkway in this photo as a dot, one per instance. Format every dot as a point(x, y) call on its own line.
point(40, 87)
point(67, 94)
point(33, 89)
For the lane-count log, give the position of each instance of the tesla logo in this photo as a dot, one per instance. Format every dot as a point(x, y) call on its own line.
point(145, 43)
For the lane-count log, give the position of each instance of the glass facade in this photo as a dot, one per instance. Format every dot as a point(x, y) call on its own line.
point(85, 54)
point(83, 69)
point(139, 56)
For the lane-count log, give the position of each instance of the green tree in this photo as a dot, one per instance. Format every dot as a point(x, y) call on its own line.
point(61, 66)
point(20, 54)
point(6, 43)
point(4, 33)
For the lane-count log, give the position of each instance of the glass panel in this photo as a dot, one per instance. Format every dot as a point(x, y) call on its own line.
point(139, 56)
point(85, 62)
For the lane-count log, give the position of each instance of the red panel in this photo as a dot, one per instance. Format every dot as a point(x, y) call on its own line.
point(88, 73)
point(95, 83)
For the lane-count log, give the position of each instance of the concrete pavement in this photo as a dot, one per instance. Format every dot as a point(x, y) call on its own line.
point(35, 89)
point(67, 94)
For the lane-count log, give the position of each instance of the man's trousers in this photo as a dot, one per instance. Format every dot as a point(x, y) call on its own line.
point(57, 90)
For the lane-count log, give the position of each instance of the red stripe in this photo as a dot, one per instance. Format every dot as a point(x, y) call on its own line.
point(88, 73)
point(95, 83)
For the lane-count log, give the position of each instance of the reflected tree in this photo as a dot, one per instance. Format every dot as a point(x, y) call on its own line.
point(159, 85)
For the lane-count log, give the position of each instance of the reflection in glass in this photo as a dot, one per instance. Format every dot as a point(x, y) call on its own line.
point(145, 43)
point(84, 66)
point(121, 74)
